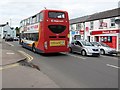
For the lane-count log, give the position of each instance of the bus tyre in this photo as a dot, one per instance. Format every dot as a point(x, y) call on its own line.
point(33, 49)
point(83, 52)
point(102, 51)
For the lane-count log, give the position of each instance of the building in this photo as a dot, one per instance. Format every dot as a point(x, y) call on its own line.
point(6, 30)
point(99, 27)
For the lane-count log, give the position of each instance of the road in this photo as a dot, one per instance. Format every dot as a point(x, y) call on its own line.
point(75, 71)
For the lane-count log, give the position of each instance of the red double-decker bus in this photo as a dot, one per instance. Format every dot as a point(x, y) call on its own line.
point(46, 32)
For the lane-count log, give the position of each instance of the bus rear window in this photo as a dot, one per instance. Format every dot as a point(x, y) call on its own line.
point(57, 28)
point(56, 15)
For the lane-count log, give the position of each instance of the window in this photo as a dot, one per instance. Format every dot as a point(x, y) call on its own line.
point(31, 36)
point(21, 23)
point(28, 21)
point(112, 22)
point(78, 43)
point(101, 23)
point(31, 20)
point(41, 16)
point(56, 15)
point(78, 26)
point(57, 28)
point(38, 17)
point(34, 19)
point(91, 25)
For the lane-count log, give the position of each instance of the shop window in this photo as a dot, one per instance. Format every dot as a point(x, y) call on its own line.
point(106, 39)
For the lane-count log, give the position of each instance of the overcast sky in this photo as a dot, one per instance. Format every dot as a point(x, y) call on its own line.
point(16, 10)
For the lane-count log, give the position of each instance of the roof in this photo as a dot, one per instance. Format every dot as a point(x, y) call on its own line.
point(97, 16)
point(2, 25)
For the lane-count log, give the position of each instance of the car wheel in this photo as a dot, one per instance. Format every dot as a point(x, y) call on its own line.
point(102, 51)
point(83, 52)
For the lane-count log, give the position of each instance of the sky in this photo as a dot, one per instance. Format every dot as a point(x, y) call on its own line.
point(13, 11)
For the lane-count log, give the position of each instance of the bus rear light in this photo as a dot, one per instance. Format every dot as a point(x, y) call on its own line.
point(67, 44)
point(45, 45)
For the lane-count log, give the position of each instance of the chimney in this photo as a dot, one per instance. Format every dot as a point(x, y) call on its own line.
point(7, 23)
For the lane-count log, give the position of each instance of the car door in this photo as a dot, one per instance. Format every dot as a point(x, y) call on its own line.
point(78, 46)
point(73, 46)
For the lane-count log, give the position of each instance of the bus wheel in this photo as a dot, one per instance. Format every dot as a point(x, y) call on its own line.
point(33, 48)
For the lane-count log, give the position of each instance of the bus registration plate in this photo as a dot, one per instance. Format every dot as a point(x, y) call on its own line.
point(57, 43)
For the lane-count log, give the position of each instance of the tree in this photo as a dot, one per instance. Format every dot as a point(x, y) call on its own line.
point(17, 31)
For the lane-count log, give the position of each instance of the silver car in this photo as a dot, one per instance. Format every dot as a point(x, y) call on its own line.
point(84, 48)
point(105, 49)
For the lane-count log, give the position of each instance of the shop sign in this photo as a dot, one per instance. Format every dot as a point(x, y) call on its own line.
point(105, 32)
point(81, 32)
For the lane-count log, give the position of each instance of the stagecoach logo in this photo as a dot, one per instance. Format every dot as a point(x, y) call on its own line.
point(57, 20)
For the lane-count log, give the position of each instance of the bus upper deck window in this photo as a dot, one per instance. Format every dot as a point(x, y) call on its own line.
point(56, 15)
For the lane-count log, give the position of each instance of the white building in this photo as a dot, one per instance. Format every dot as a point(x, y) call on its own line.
point(6, 30)
point(99, 27)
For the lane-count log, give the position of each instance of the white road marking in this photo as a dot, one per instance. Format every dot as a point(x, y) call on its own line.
point(113, 66)
point(110, 57)
point(74, 56)
point(10, 53)
point(9, 44)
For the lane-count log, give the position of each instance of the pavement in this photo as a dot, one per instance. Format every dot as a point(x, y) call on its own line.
point(21, 76)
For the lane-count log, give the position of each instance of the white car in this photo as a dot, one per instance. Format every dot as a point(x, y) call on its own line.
point(84, 48)
point(105, 49)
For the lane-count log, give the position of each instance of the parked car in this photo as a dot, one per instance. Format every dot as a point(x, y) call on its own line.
point(104, 49)
point(16, 39)
point(8, 39)
point(84, 48)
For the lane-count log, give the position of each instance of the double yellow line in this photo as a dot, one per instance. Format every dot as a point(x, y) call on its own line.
point(28, 57)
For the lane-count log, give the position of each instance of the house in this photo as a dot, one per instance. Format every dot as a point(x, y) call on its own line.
point(6, 30)
point(100, 27)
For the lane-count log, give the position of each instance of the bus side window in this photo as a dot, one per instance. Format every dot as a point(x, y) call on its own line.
point(41, 16)
point(38, 17)
point(34, 19)
point(30, 20)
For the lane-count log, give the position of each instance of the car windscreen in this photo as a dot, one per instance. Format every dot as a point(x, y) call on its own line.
point(85, 43)
point(104, 45)
point(96, 43)
point(59, 15)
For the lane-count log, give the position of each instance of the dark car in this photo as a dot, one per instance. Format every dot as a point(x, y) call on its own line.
point(9, 39)
point(16, 39)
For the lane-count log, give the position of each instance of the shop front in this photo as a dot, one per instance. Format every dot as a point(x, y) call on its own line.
point(109, 37)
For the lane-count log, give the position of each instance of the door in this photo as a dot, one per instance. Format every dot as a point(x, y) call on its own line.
point(78, 47)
